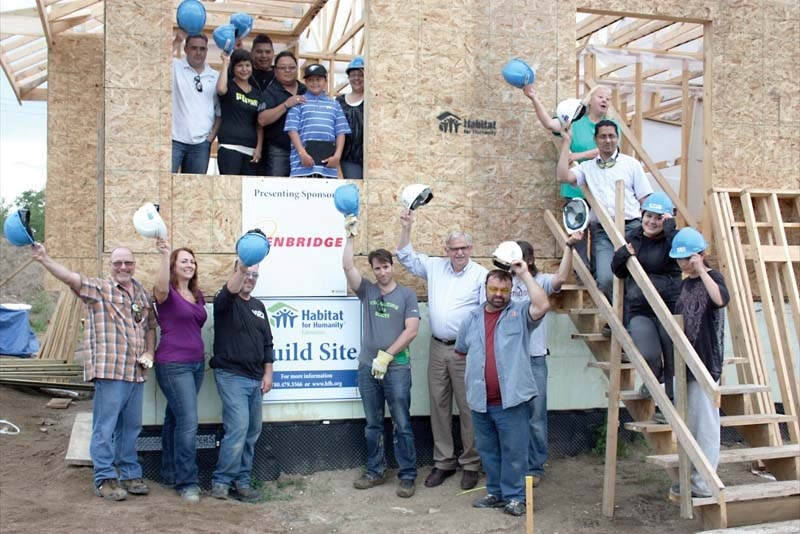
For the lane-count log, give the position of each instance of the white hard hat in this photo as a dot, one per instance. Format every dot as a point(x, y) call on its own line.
point(570, 110)
point(505, 254)
point(416, 195)
point(148, 222)
point(576, 215)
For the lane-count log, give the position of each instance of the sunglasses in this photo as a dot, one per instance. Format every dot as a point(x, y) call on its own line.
point(502, 290)
point(607, 164)
point(198, 84)
point(136, 311)
point(120, 264)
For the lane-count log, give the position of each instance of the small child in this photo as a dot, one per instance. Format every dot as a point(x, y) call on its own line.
point(316, 127)
point(703, 295)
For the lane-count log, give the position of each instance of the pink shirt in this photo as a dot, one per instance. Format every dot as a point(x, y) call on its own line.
point(180, 322)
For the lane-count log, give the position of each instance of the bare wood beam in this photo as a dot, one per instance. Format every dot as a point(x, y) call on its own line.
point(686, 131)
point(628, 35)
point(635, 15)
point(331, 26)
point(62, 10)
point(357, 27)
point(48, 35)
point(31, 59)
point(21, 25)
point(663, 108)
point(666, 54)
point(695, 32)
point(37, 94)
point(32, 82)
point(31, 70)
point(227, 9)
point(594, 24)
point(10, 77)
point(63, 25)
point(645, 75)
point(308, 17)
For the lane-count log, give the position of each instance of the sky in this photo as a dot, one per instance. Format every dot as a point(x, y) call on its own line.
point(23, 138)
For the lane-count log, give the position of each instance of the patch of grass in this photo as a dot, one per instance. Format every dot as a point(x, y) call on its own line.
point(42, 306)
point(625, 448)
point(283, 489)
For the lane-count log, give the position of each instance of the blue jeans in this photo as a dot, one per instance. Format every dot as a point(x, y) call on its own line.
point(116, 423)
point(395, 390)
point(603, 253)
point(503, 449)
point(180, 383)
point(278, 161)
point(352, 170)
point(537, 424)
point(241, 422)
point(190, 159)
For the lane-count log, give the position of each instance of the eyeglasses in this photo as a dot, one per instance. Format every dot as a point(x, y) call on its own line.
point(502, 290)
point(254, 276)
point(136, 310)
point(120, 264)
point(459, 249)
point(287, 69)
point(198, 84)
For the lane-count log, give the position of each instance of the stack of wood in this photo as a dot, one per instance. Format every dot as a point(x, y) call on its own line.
point(53, 366)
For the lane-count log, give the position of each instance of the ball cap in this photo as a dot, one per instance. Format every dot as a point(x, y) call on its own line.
point(315, 69)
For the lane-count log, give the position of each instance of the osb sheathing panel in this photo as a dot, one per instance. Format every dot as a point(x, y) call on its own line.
point(74, 105)
point(428, 57)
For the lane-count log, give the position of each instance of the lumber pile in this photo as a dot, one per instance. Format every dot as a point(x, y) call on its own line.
point(62, 332)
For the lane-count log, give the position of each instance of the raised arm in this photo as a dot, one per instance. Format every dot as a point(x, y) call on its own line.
point(563, 171)
point(161, 286)
point(70, 278)
point(222, 81)
point(565, 267)
point(540, 304)
point(547, 121)
point(236, 281)
point(349, 265)
point(406, 222)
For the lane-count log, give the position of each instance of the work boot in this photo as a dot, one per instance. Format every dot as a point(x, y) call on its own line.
point(135, 486)
point(489, 501)
point(366, 481)
point(515, 508)
point(220, 491)
point(110, 489)
point(246, 494)
point(469, 479)
point(437, 476)
point(406, 488)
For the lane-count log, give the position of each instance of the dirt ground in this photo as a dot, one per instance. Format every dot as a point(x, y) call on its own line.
point(39, 493)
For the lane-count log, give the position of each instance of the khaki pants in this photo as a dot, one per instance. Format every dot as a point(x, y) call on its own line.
point(445, 380)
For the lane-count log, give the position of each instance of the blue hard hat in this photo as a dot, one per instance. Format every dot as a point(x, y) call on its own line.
point(345, 198)
point(191, 17)
point(225, 37)
point(252, 247)
point(658, 202)
point(356, 63)
point(243, 23)
point(17, 228)
point(686, 242)
point(518, 73)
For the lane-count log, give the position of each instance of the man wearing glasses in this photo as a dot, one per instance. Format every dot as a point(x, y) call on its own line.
point(120, 338)
point(500, 383)
point(390, 322)
point(242, 366)
point(194, 105)
point(600, 176)
point(455, 287)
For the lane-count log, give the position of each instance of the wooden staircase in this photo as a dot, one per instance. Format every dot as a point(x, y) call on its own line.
point(746, 406)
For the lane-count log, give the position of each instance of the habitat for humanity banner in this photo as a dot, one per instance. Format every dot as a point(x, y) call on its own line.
point(316, 344)
point(305, 232)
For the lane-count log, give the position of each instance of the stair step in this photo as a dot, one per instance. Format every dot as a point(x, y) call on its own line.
point(606, 366)
point(583, 311)
point(753, 492)
point(735, 389)
point(649, 427)
point(781, 527)
point(590, 337)
point(573, 287)
point(735, 361)
point(729, 456)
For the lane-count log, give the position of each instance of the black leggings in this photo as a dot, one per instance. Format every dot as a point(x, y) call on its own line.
point(234, 162)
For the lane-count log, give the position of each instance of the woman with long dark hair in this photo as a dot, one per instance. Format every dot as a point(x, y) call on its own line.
point(240, 136)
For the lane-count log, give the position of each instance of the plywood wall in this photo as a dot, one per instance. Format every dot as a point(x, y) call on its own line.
point(424, 58)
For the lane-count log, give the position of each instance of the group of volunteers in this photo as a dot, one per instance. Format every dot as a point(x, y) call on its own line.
point(488, 348)
point(266, 122)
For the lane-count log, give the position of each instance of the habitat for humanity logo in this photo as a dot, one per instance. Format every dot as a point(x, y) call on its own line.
point(282, 315)
point(451, 123)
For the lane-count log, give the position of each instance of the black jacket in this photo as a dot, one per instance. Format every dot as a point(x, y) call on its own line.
point(653, 254)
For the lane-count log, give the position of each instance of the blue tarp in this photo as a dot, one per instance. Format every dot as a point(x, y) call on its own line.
point(16, 336)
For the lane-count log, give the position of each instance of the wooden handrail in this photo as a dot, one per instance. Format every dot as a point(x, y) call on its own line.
point(682, 434)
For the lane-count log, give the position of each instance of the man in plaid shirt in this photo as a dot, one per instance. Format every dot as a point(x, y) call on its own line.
point(120, 336)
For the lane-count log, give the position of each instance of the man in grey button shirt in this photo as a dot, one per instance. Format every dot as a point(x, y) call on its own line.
point(455, 287)
point(390, 322)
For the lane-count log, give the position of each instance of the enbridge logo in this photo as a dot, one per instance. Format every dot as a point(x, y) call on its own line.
point(281, 315)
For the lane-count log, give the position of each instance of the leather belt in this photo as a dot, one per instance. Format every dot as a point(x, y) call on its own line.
point(445, 341)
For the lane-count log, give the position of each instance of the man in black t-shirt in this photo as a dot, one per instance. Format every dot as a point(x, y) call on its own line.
point(262, 53)
point(242, 366)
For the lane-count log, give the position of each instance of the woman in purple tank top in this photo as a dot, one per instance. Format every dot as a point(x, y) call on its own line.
point(179, 365)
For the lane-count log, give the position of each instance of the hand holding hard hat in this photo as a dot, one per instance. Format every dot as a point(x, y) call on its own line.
point(416, 195)
point(575, 215)
point(225, 38)
point(569, 111)
point(191, 17)
point(517, 73)
point(507, 254)
point(346, 200)
point(148, 222)
point(243, 25)
point(252, 247)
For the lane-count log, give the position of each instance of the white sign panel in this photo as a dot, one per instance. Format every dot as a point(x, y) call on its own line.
point(305, 232)
point(316, 345)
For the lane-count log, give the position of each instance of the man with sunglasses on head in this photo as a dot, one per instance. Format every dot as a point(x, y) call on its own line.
point(390, 322)
point(500, 383)
point(194, 105)
point(242, 363)
point(600, 175)
point(120, 338)
point(455, 287)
